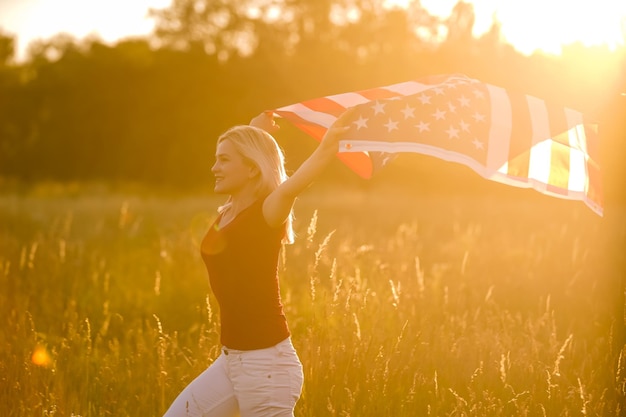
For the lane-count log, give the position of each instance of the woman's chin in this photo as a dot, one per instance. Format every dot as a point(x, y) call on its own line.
point(218, 190)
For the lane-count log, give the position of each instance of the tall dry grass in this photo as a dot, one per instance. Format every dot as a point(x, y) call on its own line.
point(399, 305)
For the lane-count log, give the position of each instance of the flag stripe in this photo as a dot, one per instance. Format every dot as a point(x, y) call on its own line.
point(408, 88)
point(498, 150)
point(349, 99)
point(305, 115)
point(521, 137)
point(560, 149)
point(577, 143)
point(559, 166)
point(577, 172)
point(540, 151)
point(576, 130)
point(325, 105)
point(378, 94)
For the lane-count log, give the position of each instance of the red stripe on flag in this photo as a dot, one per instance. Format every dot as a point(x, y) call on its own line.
point(313, 129)
point(316, 131)
point(325, 105)
point(378, 94)
point(359, 162)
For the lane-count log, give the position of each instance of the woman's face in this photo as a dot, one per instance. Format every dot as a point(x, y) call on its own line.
point(232, 172)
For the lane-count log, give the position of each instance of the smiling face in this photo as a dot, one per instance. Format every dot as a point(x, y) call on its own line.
point(232, 172)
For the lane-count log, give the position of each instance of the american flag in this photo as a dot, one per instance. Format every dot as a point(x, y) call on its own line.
point(503, 136)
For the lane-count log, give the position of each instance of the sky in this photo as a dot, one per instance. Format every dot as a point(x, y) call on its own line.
point(529, 25)
point(110, 20)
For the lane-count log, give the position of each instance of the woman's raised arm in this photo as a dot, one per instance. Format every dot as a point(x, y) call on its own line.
point(278, 204)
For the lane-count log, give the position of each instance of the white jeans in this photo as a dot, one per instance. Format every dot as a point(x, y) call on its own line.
point(249, 383)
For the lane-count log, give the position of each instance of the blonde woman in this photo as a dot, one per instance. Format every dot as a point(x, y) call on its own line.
point(258, 372)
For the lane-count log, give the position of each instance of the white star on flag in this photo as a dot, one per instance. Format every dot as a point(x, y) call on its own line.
point(439, 115)
point(408, 112)
point(452, 132)
point(422, 126)
point(424, 99)
point(379, 107)
point(479, 117)
point(361, 122)
point(391, 125)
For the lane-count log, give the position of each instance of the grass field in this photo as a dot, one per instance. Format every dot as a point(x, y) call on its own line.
point(399, 306)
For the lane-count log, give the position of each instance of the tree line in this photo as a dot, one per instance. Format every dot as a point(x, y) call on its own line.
point(150, 109)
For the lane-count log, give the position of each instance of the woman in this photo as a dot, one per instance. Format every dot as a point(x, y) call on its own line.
point(258, 372)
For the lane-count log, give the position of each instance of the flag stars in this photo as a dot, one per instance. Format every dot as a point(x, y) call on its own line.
point(478, 144)
point(438, 91)
point(408, 112)
point(361, 122)
point(423, 126)
point(424, 99)
point(464, 126)
point(439, 115)
point(465, 102)
point(451, 107)
point(479, 117)
point(479, 94)
point(379, 107)
point(391, 125)
point(452, 132)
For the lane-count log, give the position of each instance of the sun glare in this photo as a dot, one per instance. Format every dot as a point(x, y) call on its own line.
point(546, 25)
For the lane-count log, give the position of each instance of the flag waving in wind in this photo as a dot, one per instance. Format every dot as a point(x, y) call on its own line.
point(503, 136)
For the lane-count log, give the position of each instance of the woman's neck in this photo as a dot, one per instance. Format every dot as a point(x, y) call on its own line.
point(240, 202)
point(236, 204)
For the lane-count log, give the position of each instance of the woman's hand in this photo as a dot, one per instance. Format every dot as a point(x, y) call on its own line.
point(278, 204)
point(336, 132)
point(266, 122)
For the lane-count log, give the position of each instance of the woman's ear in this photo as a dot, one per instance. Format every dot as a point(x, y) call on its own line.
point(253, 171)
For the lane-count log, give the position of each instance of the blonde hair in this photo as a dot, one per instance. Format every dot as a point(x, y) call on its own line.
point(260, 148)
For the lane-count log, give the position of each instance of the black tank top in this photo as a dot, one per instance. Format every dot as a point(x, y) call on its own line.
point(242, 261)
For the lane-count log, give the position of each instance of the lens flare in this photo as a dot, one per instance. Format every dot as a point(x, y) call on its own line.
point(41, 357)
